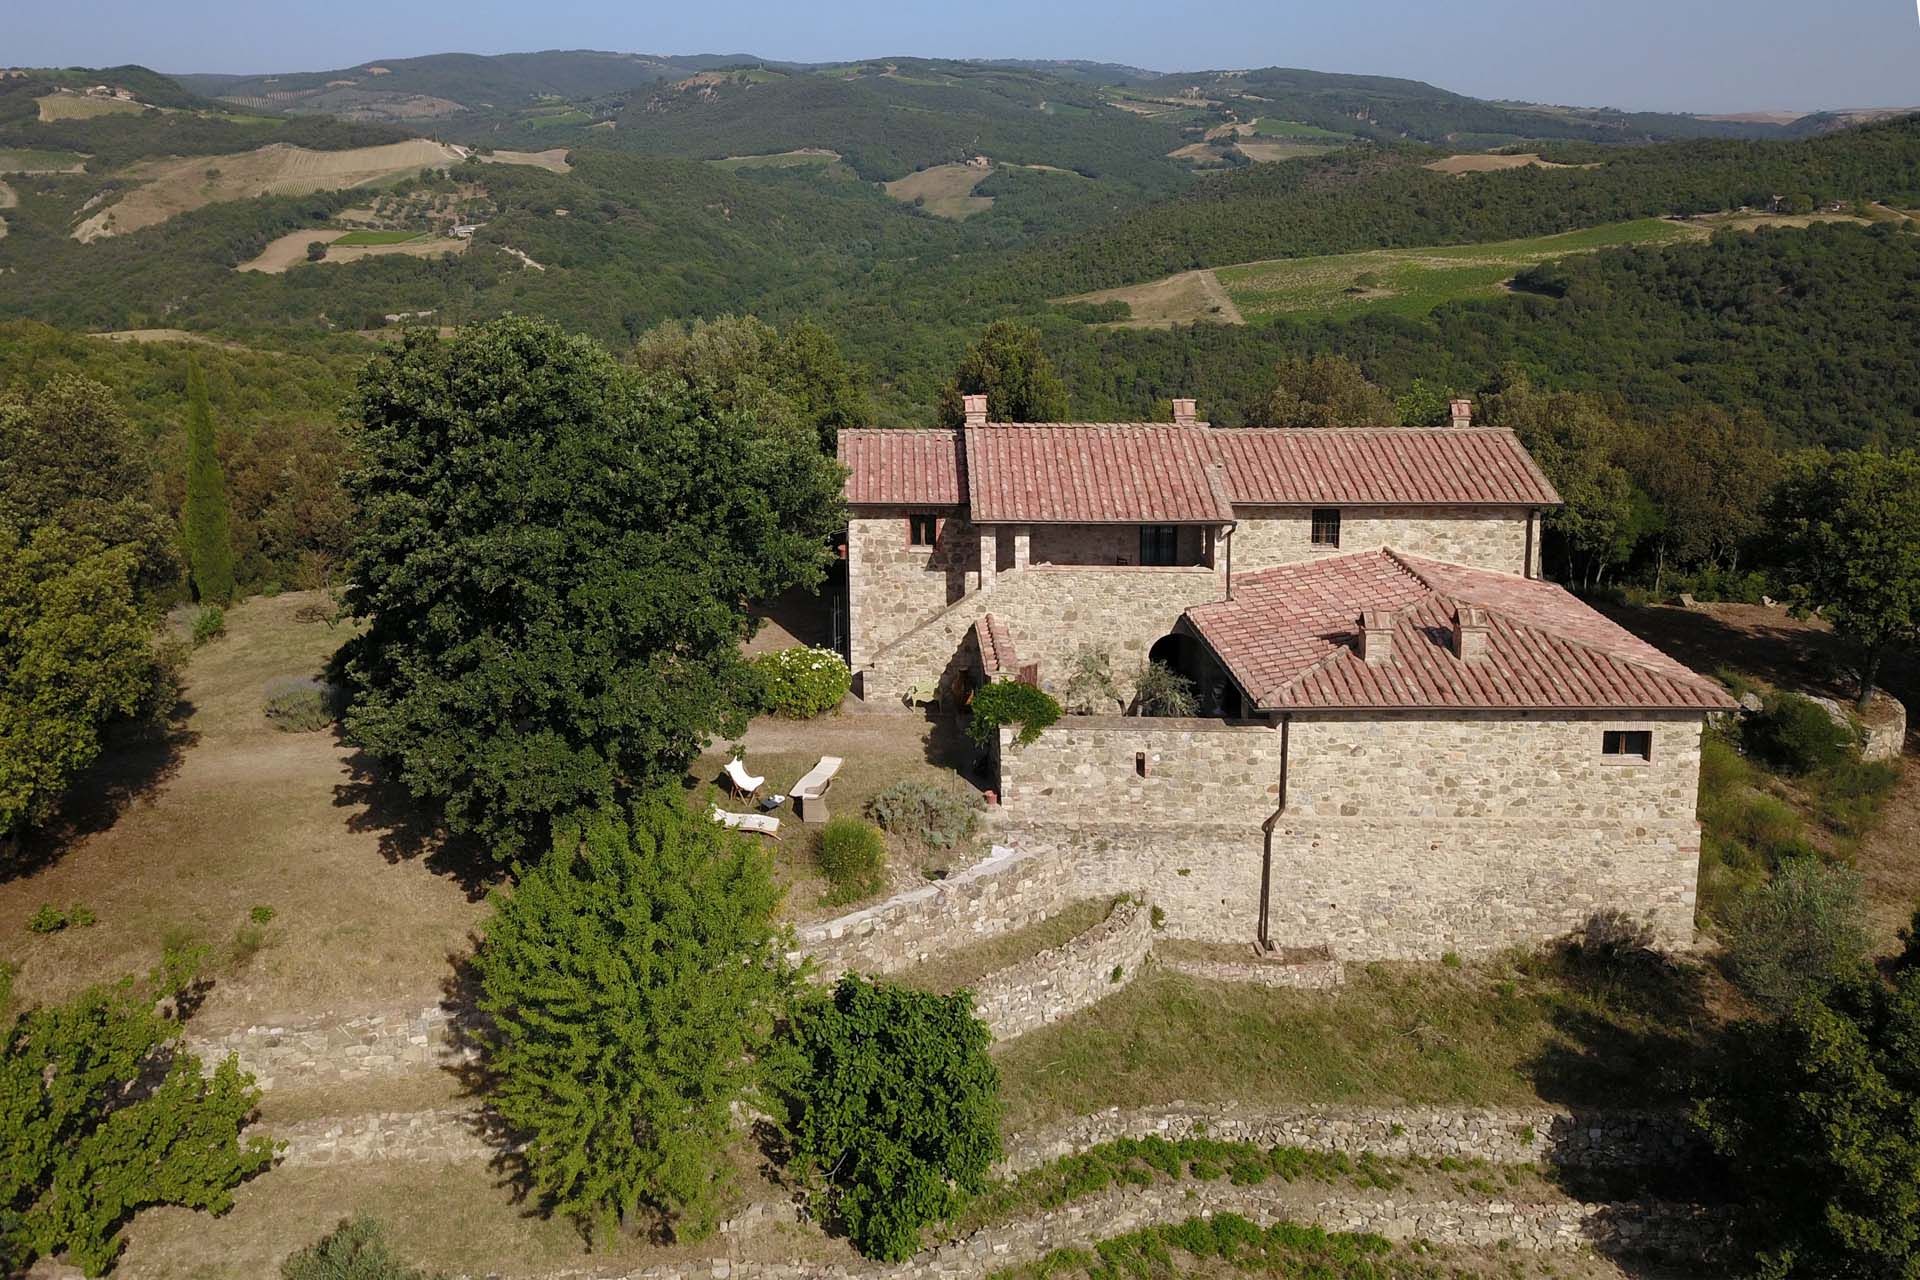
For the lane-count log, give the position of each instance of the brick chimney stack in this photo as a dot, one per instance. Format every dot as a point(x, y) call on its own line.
point(1376, 637)
point(1183, 413)
point(1461, 412)
point(976, 410)
point(1470, 633)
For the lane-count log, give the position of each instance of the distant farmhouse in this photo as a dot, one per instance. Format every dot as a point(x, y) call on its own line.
point(1408, 743)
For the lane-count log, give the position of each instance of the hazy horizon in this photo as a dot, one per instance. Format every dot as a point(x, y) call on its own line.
point(1653, 55)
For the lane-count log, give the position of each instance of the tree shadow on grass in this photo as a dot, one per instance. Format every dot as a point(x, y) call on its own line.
point(409, 828)
point(137, 760)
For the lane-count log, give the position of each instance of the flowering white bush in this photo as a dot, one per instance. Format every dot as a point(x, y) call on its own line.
point(802, 682)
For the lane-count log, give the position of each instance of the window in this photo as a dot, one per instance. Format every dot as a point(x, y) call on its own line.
point(922, 530)
point(1326, 527)
point(1627, 744)
point(1159, 544)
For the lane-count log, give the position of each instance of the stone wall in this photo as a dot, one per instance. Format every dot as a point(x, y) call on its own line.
point(893, 587)
point(1107, 544)
point(1523, 1135)
point(1008, 890)
point(1483, 537)
point(1065, 979)
point(350, 1049)
point(1404, 837)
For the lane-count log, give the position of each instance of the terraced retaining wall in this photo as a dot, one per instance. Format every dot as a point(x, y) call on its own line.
point(1065, 979)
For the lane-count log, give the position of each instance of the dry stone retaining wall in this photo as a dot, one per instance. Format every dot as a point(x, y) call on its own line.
point(350, 1049)
point(1008, 890)
point(1552, 1135)
point(1066, 979)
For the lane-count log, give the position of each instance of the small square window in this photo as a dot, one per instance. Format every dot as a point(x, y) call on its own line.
point(922, 530)
point(1627, 743)
point(1326, 527)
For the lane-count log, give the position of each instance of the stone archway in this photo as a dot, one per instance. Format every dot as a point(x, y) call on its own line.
point(1183, 653)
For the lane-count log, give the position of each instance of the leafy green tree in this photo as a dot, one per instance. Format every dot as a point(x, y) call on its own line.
point(1326, 391)
point(68, 456)
point(209, 544)
point(1424, 404)
point(74, 654)
point(1817, 1115)
point(891, 1099)
point(102, 1113)
point(1845, 531)
point(1009, 366)
point(630, 978)
point(554, 554)
point(751, 368)
point(1710, 474)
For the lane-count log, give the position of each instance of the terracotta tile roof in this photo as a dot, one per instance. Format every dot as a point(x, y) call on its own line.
point(902, 468)
point(995, 642)
point(1092, 473)
point(1288, 637)
point(1138, 472)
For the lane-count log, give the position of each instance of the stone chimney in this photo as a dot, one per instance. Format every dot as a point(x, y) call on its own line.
point(1470, 633)
point(1461, 412)
point(975, 408)
point(1183, 413)
point(1376, 637)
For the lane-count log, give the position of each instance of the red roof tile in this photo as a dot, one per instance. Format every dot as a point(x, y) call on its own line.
point(1288, 634)
point(996, 645)
point(902, 468)
point(1133, 472)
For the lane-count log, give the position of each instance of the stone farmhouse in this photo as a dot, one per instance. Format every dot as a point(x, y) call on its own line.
point(1408, 742)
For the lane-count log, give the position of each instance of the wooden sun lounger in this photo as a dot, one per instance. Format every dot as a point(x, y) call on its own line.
point(810, 793)
point(760, 824)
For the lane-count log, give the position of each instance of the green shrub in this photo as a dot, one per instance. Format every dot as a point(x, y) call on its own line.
point(261, 915)
point(1796, 935)
point(51, 919)
point(1091, 687)
point(355, 1250)
point(892, 1101)
point(1848, 796)
point(1011, 702)
point(300, 704)
point(935, 816)
point(801, 683)
point(1796, 736)
point(853, 857)
point(208, 621)
point(1159, 690)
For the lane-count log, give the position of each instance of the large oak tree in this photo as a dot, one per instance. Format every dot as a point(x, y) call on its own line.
point(554, 557)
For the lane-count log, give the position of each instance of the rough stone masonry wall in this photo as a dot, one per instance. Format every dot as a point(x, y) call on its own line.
point(1413, 840)
point(1051, 612)
point(1008, 890)
point(893, 587)
point(1065, 979)
point(349, 1050)
point(1482, 537)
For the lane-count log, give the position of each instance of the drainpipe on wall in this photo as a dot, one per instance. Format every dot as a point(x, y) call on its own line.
point(1526, 567)
point(1266, 831)
point(1231, 526)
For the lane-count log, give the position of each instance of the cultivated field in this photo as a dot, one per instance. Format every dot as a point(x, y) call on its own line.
point(174, 185)
point(35, 161)
point(1459, 166)
point(1261, 152)
point(290, 250)
point(78, 106)
point(946, 190)
point(1408, 281)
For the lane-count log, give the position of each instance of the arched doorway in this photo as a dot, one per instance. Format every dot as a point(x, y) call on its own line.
point(1183, 654)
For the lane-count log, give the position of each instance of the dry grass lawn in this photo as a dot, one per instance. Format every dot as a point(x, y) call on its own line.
point(553, 159)
point(1461, 165)
point(79, 106)
point(946, 190)
point(176, 185)
point(237, 814)
point(1187, 298)
point(290, 250)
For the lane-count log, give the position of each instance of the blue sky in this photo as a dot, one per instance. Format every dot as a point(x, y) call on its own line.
point(1703, 55)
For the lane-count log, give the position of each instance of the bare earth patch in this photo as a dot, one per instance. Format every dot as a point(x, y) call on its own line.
point(1465, 164)
point(553, 159)
point(175, 185)
point(8, 197)
point(1188, 298)
point(946, 190)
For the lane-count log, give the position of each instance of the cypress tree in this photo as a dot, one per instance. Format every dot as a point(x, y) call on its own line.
point(209, 548)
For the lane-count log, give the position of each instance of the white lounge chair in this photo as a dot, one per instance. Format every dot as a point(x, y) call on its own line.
point(743, 783)
point(760, 824)
point(810, 793)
